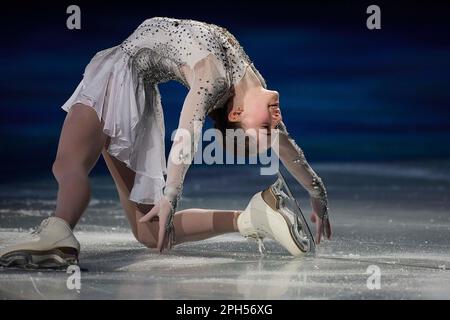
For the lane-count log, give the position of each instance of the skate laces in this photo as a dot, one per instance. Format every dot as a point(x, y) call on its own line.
point(39, 229)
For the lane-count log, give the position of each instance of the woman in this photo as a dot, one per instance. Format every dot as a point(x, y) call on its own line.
point(116, 111)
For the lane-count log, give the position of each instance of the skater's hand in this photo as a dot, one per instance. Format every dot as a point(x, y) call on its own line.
point(323, 227)
point(162, 209)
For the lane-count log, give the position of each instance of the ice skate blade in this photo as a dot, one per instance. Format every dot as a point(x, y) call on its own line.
point(29, 259)
point(274, 200)
point(271, 223)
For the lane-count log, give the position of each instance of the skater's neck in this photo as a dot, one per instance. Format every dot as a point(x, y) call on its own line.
point(247, 85)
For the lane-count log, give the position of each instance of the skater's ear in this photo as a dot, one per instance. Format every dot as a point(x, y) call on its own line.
point(221, 119)
point(235, 114)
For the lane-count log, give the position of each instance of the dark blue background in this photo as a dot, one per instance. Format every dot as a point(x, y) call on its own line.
point(347, 93)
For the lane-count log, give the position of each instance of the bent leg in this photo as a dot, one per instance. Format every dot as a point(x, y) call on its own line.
point(124, 179)
point(190, 224)
point(80, 144)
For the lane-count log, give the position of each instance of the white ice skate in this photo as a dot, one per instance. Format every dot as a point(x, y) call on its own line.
point(275, 214)
point(53, 246)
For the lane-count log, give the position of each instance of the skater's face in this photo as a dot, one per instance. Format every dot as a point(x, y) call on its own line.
point(259, 114)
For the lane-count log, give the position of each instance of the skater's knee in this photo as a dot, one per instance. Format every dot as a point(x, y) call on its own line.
point(58, 168)
point(146, 240)
point(147, 233)
point(62, 168)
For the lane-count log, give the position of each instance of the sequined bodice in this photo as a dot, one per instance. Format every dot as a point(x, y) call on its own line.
point(161, 45)
point(154, 67)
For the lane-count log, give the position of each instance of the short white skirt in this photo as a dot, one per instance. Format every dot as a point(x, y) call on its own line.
point(133, 117)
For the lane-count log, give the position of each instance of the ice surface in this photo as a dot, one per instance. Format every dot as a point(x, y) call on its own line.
point(392, 215)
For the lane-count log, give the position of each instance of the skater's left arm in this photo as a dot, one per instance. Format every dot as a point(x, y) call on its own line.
point(293, 158)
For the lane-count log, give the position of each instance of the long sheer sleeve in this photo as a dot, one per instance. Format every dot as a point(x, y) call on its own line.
point(293, 158)
point(207, 88)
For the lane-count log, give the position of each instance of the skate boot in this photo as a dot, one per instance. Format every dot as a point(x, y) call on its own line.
point(53, 246)
point(268, 214)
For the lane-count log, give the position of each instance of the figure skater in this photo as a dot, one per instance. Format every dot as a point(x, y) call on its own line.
point(116, 111)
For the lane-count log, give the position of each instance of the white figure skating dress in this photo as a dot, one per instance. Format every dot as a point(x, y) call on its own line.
point(121, 84)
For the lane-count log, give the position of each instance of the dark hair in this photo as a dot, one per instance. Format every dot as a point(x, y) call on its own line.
point(221, 123)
